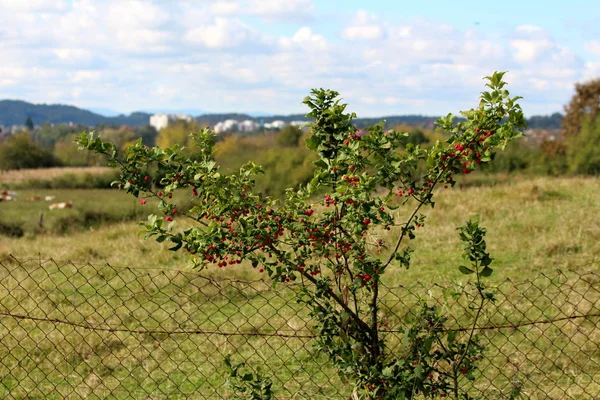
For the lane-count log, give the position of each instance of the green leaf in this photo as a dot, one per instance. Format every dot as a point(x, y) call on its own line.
point(176, 247)
point(321, 164)
point(312, 142)
point(465, 270)
point(486, 271)
point(452, 336)
point(486, 260)
point(419, 371)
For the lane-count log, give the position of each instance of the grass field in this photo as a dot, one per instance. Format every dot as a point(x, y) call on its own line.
point(48, 174)
point(535, 226)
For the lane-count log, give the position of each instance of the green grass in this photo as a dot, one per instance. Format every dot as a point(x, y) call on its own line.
point(58, 178)
point(92, 208)
point(535, 226)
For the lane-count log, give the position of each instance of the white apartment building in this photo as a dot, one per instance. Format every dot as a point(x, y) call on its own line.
point(160, 121)
point(225, 126)
point(277, 124)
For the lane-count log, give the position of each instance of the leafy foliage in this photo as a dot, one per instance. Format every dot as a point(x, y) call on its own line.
point(19, 152)
point(247, 384)
point(330, 244)
point(585, 104)
point(289, 136)
point(583, 150)
point(177, 133)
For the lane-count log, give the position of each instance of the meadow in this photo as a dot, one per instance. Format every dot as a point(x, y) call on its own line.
point(536, 226)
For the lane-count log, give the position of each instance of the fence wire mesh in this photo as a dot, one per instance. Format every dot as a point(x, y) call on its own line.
point(98, 331)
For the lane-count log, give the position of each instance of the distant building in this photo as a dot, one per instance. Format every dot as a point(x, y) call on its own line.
point(277, 124)
point(226, 126)
point(232, 125)
point(298, 123)
point(247, 126)
point(160, 121)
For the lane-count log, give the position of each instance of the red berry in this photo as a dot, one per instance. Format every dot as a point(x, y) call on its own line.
point(366, 221)
point(351, 168)
point(169, 219)
point(142, 202)
point(346, 142)
point(146, 177)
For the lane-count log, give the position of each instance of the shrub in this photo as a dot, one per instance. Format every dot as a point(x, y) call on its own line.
point(329, 244)
point(19, 152)
point(583, 149)
point(11, 229)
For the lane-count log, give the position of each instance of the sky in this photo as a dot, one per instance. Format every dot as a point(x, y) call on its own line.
point(385, 57)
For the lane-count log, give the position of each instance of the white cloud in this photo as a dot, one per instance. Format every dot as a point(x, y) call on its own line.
point(591, 71)
point(592, 47)
point(266, 9)
point(529, 29)
point(86, 76)
point(364, 26)
point(222, 33)
point(312, 41)
point(138, 54)
point(529, 51)
point(12, 72)
point(34, 5)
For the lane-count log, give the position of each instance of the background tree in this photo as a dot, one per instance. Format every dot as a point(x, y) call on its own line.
point(121, 137)
point(148, 135)
point(177, 132)
point(416, 137)
point(47, 135)
point(289, 136)
point(584, 104)
point(19, 151)
point(583, 150)
point(29, 124)
point(65, 150)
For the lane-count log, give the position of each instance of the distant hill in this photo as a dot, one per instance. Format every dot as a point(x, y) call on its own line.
point(545, 121)
point(15, 112)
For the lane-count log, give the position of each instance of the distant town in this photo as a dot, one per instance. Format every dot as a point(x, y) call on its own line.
point(16, 115)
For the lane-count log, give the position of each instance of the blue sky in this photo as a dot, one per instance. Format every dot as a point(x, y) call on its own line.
point(385, 57)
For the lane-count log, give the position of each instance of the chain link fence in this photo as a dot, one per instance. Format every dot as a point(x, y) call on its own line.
point(103, 332)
